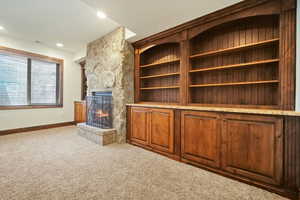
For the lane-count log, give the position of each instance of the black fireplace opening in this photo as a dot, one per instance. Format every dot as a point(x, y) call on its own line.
point(99, 109)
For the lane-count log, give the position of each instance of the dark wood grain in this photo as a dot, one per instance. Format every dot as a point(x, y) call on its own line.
point(83, 81)
point(162, 130)
point(244, 48)
point(140, 125)
point(200, 137)
point(292, 152)
point(287, 55)
point(159, 73)
point(253, 147)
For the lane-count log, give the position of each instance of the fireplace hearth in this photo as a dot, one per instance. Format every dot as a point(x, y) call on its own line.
point(99, 110)
point(98, 127)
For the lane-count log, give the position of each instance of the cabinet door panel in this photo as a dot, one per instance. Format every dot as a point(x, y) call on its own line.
point(161, 130)
point(80, 112)
point(200, 137)
point(139, 125)
point(253, 147)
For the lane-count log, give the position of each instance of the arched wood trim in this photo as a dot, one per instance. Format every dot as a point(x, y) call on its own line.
point(156, 45)
point(273, 9)
point(176, 38)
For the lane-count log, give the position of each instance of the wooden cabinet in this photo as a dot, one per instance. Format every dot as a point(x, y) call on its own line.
point(239, 57)
point(245, 145)
point(140, 125)
point(252, 147)
point(79, 111)
point(257, 149)
point(200, 137)
point(153, 128)
point(161, 130)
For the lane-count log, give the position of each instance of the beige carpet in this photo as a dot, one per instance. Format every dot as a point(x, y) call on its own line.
point(58, 164)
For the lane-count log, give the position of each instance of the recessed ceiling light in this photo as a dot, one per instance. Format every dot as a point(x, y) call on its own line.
point(1, 28)
point(101, 15)
point(59, 44)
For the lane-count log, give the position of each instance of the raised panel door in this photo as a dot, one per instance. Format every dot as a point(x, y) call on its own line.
point(162, 130)
point(252, 147)
point(200, 137)
point(139, 125)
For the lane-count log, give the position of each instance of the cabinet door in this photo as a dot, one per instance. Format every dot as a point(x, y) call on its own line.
point(139, 125)
point(78, 112)
point(162, 130)
point(252, 147)
point(200, 137)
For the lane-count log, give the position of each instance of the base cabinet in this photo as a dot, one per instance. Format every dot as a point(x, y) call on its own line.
point(257, 149)
point(153, 128)
point(79, 111)
point(200, 137)
point(252, 147)
point(246, 145)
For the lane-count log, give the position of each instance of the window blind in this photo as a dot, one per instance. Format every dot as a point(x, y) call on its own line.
point(13, 80)
point(43, 82)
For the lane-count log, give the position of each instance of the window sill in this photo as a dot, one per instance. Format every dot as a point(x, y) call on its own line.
point(29, 107)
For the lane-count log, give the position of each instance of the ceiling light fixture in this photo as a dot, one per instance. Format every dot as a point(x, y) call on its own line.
point(101, 15)
point(1, 28)
point(59, 44)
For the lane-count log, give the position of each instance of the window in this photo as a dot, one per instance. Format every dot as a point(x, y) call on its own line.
point(28, 80)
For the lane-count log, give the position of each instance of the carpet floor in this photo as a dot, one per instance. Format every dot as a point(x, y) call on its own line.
point(58, 164)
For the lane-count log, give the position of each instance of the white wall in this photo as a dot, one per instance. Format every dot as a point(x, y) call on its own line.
point(11, 119)
point(298, 59)
point(80, 54)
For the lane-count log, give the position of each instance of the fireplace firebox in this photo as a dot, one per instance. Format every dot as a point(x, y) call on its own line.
point(99, 109)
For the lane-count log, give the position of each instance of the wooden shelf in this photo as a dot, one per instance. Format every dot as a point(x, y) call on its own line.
point(160, 63)
point(232, 49)
point(159, 88)
point(160, 75)
point(233, 84)
point(235, 65)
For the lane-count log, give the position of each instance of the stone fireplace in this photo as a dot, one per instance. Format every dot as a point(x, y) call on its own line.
point(109, 67)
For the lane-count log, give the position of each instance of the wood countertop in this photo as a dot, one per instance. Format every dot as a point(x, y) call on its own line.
point(221, 109)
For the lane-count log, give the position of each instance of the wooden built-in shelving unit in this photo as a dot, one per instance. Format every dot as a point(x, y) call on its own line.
point(242, 55)
point(160, 73)
point(207, 93)
point(246, 54)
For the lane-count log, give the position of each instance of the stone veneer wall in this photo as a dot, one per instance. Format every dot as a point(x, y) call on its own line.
point(110, 66)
